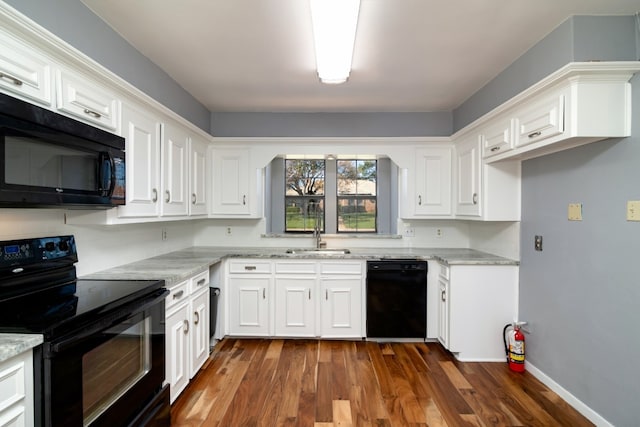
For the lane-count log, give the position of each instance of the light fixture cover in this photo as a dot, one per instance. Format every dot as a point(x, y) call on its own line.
point(334, 33)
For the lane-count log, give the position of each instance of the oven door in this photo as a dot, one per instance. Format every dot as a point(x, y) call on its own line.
point(109, 372)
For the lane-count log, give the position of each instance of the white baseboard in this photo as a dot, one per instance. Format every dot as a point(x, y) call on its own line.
point(579, 406)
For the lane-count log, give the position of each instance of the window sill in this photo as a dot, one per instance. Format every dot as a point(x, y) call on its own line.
point(331, 236)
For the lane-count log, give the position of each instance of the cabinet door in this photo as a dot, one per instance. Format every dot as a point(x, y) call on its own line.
point(497, 138)
point(341, 300)
point(198, 177)
point(199, 334)
point(443, 312)
point(177, 349)
point(23, 72)
point(468, 198)
point(249, 305)
point(142, 135)
point(433, 181)
point(295, 302)
point(175, 163)
point(86, 101)
point(230, 182)
point(541, 120)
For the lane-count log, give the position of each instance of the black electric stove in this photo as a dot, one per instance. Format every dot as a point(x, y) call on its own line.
point(103, 357)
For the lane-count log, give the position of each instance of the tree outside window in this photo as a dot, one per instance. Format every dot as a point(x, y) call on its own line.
point(304, 194)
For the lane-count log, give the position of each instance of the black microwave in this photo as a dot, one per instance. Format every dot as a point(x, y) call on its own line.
point(49, 160)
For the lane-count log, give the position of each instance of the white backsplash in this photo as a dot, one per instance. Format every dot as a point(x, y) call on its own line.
point(499, 238)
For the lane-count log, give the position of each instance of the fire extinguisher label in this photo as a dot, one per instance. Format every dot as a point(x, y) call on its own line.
point(516, 352)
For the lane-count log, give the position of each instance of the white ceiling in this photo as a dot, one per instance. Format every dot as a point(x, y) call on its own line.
point(409, 55)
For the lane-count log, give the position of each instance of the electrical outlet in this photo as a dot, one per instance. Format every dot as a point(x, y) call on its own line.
point(633, 210)
point(439, 233)
point(537, 243)
point(164, 234)
point(409, 232)
point(229, 233)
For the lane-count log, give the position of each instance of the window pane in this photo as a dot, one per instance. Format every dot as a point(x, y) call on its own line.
point(304, 177)
point(356, 214)
point(303, 212)
point(357, 177)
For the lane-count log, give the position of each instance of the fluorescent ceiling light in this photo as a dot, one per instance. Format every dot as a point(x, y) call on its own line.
point(334, 33)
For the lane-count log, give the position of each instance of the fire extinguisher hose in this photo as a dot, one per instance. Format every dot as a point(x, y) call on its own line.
point(504, 339)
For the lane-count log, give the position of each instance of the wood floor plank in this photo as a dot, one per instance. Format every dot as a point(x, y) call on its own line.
point(312, 383)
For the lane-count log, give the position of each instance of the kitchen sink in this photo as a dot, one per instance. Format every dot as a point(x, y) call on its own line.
point(320, 251)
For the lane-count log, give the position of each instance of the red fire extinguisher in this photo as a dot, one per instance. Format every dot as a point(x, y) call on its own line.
point(514, 346)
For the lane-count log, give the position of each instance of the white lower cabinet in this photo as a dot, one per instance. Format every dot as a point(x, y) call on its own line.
point(16, 391)
point(295, 298)
point(187, 331)
point(475, 303)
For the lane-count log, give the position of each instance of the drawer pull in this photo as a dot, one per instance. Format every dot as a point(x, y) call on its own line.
point(178, 294)
point(534, 134)
point(494, 149)
point(200, 282)
point(92, 113)
point(12, 79)
point(250, 267)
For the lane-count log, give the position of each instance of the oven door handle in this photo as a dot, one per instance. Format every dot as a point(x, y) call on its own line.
point(105, 322)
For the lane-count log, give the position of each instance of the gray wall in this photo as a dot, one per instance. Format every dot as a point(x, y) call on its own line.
point(580, 295)
point(74, 23)
point(331, 124)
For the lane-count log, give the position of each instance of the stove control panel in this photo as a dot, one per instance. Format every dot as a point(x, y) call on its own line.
point(27, 251)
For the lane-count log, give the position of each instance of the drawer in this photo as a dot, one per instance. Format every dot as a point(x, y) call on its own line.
point(296, 267)
point(249, 267)
point(199, 281)
point(177, 294)
point(12, 382)
point(342, 267)
point(444, 271)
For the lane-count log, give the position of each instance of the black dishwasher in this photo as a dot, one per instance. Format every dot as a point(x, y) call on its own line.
point(397, 299)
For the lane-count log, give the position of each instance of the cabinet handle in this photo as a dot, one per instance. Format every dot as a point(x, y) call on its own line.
point(193, 199)
point(264, 293)
point(12, 79)
point(92, 113)
point(200, 282)
point(475, 198)
point(185, 329)
point(494, 149)
point(249, 267)
point(534, 134)
point(326, 294)
point(309, 293)
point(244, 199)
point(168, 196)
point(155, 195)
point(195, 322)
point(419, 200)
point(443, 296)
point(178, 294)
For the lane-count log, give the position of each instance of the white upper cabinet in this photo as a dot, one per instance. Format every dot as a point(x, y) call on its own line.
point(198, 177)
point(497, 138)
point(24, 72)
point(174, 171)
point(426, 188)
point(540, 120)
point(87, 101)
point(468, 177)
point(235, 192)
point(142, 134)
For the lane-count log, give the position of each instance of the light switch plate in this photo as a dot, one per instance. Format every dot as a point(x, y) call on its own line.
point(575, 212)
point(633, 210)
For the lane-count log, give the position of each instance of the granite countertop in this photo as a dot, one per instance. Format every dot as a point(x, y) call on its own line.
point(174, 267)
point(14, 344)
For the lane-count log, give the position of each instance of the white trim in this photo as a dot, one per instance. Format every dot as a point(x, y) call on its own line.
point(577, 404)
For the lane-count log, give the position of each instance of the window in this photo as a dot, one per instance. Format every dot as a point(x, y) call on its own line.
point(353, 198)
point(345, 196)
point(304, 195)
point(356, 192)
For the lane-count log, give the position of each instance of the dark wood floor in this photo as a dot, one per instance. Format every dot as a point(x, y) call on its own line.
point(355, 383)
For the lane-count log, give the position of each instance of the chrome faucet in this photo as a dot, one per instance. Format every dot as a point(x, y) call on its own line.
point(317, 229)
